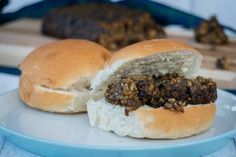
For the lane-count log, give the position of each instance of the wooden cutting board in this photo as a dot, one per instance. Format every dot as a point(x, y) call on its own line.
point(19, 38)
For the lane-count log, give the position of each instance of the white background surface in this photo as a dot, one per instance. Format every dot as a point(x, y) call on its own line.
point(224, 9)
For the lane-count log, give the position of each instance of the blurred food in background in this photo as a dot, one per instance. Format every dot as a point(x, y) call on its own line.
point(222, 63)
point(113, 26)
point(210, 32)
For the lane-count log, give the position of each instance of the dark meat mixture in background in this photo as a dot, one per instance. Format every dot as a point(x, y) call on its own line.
point(222, 63)
point(110, 25)
point(171, 91)
point(210, 32)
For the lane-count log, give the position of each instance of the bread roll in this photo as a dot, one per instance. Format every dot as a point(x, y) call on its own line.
point(149, 57)
point(56, 77)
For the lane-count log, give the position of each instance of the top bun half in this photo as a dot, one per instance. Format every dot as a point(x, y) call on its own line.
point(158, 57)
point(150, 47)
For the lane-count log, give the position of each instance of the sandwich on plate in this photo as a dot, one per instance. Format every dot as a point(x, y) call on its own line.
point(147, 91)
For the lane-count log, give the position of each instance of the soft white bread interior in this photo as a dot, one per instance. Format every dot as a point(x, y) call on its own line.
point(147, 122)
point(56, 77)
point(149, 57)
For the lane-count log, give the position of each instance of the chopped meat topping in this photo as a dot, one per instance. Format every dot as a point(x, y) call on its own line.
point(170, 91)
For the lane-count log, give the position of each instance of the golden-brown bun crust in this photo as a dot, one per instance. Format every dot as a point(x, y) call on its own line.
point(60, 64)
point(56, 76)
point(43, 99)
point(162, 123)
point(148, 122)
point(150, 47)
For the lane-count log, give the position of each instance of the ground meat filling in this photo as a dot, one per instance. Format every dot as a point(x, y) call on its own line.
point(171, 91)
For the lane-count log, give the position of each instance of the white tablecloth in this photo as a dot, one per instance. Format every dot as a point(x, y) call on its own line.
point(7, 149)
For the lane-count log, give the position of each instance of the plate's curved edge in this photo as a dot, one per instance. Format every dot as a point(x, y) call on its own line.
point(6, 132)
point(228, 134)
point(225, 92)
point(12, 90)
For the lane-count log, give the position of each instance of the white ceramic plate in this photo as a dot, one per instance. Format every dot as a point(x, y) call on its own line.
point(71, 134)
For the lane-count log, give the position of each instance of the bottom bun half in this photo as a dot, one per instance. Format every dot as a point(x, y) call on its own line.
point(52, 100)
point(147, 122)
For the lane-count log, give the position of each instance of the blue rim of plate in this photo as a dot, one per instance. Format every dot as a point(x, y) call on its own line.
point(227, 134)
